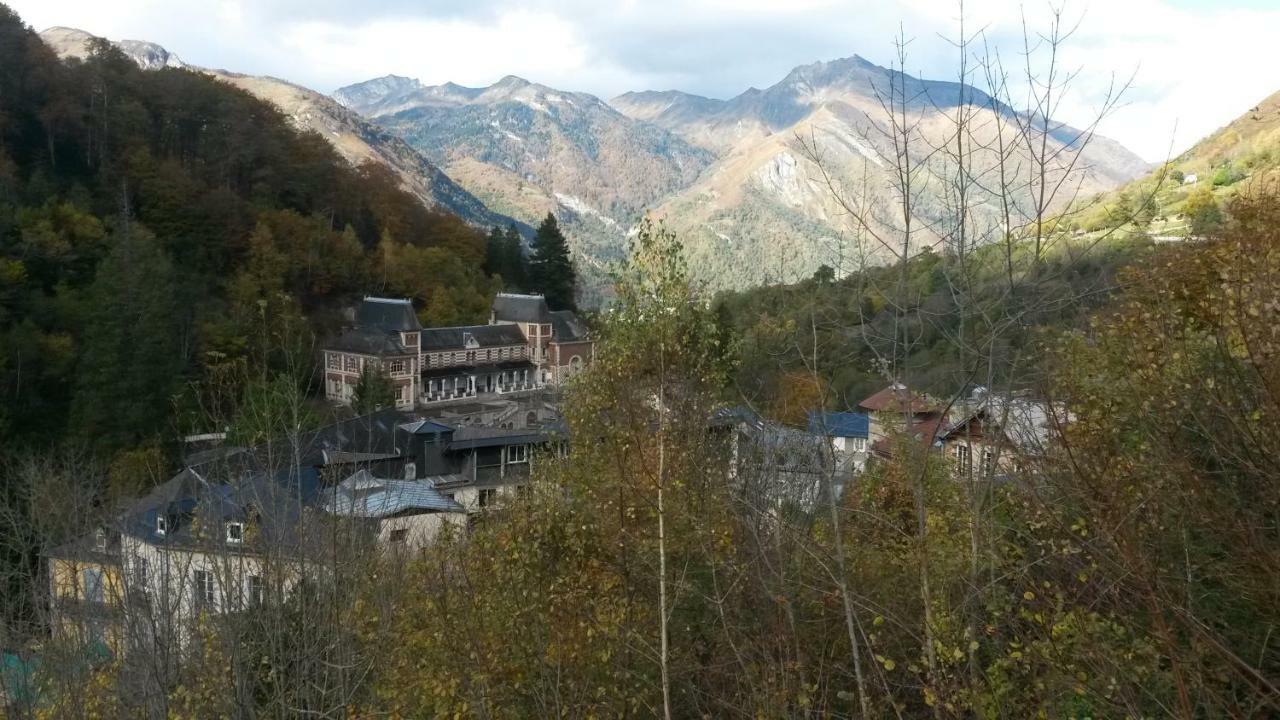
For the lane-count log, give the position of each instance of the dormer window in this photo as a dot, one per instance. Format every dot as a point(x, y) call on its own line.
point(162, 525)
point(235, 533)
point(100, 540)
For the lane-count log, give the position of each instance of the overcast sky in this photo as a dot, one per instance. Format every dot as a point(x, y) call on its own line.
point(1198, 63)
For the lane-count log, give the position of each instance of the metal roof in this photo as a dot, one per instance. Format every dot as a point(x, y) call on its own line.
point(839, 424)
point(364, 495)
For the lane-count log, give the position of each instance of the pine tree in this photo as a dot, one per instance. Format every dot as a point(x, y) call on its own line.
point(373, 391)
point(551, 271)
point(130, 360)
point(515, 264)
point(494, 253)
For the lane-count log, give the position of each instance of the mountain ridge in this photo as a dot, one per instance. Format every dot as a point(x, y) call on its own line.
point(356, 139)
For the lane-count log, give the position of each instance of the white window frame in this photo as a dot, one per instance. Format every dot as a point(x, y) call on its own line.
point(253, 590)
point(202, 588)
point(162, 525)
point(238, 537)
point(517, 454)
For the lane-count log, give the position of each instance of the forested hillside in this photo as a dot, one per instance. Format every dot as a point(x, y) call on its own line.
point(833, 330)
point(160, 228)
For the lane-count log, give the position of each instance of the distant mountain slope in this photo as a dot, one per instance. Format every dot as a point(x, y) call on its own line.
point(569, 144)
point(767, 206)
point(730, 176)
point(355, 138)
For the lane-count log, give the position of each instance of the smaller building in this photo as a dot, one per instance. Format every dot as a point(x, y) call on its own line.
point(402, 514)
point(849, 433)
point(896, 407)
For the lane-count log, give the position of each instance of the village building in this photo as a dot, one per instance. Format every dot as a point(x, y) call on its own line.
point(525, 349)
point(385, 339)
point(242, 526)
point(559, 343)
point(898, 408)
point(849, 434)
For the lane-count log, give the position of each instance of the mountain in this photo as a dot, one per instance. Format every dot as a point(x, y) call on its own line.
point(732, 177)
point(355, 138)
point(767, 205)
point(527, 149)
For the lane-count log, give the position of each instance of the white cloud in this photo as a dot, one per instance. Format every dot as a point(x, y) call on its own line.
point(1199, 66)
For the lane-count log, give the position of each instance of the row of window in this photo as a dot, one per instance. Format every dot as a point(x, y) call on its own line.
point(204, 589)
point(459, 357)
point(234, 529)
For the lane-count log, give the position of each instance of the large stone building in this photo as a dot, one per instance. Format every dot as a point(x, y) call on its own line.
point(525, 348)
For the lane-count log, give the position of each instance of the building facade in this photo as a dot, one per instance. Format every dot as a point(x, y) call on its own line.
point(525, 348)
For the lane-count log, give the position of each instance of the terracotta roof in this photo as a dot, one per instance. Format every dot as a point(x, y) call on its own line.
point(896, 398)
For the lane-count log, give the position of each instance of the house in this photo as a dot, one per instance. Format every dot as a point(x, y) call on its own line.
point(559, 343)
point(402, 514)
point(525, 348)
point(385, 339)
point(849, 434)
point(998, 434)
point(897, 406)
point(772, 464)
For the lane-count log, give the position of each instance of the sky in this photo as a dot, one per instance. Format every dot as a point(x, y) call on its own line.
point(1194, 65)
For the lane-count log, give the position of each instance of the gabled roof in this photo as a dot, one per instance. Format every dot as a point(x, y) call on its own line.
point(510, 307)
point(896, 398)
point(471, 337)
point(567, 327)
point(387, 314)
point(839, 424)
point(364, 495)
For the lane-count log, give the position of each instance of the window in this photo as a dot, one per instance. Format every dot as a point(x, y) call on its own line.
point(471, 356)
point(396, 366)
point(235, 533)
point(351, 364)
point(140, 573)
point(91, 582)
point(488, 496)
point(962, 457)
point(518, 454)
point(203, 589)
point(162, 525)
point(988, 461)
point(859, 444)
point(253, 590)
point(399, 536)
point(335, 361)
point(100, 540)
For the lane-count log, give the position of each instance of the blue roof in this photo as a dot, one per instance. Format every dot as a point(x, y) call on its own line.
point(839, 424)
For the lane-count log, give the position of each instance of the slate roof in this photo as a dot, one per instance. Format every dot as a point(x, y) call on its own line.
point(275, 501)
point(839, 424)
point(469, 437)
point(566, 327)
point(370, 341)
point(364, 495)
point(485, 336)
point(510, 307)
point(387, 314)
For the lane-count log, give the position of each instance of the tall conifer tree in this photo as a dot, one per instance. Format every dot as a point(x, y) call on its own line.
point(130, 360)
point(551, 270)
